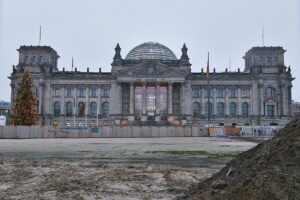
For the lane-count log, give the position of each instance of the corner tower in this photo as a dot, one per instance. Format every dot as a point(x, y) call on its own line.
point(37, 59)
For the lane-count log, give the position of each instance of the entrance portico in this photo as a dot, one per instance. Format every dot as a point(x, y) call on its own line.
point(149, 100)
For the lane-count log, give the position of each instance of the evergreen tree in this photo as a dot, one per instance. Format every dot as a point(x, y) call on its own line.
point(24, 111)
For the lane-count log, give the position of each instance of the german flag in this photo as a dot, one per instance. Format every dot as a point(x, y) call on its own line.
point(207, 70)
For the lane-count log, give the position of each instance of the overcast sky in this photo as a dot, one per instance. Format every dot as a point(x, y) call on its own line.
point(89, 30)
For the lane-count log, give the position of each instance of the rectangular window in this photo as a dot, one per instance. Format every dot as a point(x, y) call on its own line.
point(81, 92)
point(40, 59)
point(27, 59)
point(196, 92)
point(69, 92)
point(270, 110)
point(94, 92)
point(232, 92)
point(207, 91)
point(56, 92)
point(220, 93)
point(245, 93)
point(106, 92)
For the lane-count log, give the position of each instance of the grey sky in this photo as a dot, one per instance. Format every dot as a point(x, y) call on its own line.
point(88, 30)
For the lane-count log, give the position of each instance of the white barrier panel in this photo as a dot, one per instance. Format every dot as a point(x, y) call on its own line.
point(2, 120)
point(10, 132)
point(33, 132)
point(1, 132)
point(23, 132)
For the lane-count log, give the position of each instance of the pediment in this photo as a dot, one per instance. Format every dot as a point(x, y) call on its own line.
point(151, 68)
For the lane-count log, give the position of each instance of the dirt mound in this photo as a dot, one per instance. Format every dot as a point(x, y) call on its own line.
point(271, 170)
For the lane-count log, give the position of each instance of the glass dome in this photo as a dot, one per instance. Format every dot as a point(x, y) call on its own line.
point(151, 50)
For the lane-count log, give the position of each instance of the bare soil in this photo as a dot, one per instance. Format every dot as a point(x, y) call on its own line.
point(271, 170)
point(152, 168)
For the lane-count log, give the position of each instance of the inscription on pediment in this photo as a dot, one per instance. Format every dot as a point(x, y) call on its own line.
point(152, 69)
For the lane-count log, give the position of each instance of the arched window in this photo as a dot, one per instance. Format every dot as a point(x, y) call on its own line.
point(105, 109)
point(210, 108)
point(56, 109)
point(245, 110)
point(232, 108)
point(196, 109)
point(93, 109)
point(270, 92)
point(220, 109)
point(81, 109)
point(69, 109)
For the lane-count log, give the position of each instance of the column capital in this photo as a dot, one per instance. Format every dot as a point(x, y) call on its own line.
point(281, 85)
point(170, 83)
point(260, 85)
point(144, 83)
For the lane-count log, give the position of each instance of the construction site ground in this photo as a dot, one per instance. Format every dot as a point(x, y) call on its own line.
point(112, 168)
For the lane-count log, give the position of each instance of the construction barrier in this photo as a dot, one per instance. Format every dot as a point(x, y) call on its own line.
point(224, 131)
point(26, 132)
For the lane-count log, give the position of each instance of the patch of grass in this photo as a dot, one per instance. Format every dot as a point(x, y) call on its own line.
point(99, 158)
point(198, 153)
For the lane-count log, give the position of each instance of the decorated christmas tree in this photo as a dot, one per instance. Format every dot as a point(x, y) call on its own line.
point(24, 111)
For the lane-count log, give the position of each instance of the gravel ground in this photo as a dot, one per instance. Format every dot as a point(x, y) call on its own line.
point(114, 168)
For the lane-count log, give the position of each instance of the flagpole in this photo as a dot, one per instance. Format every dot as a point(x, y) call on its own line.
point(74, 109)
point(40, 35)
point(208, 88)
point(97, 117)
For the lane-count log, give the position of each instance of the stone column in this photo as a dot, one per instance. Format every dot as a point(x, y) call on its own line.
point(187, 96)
point(157, 103)
point(284, 100)
point(227, 111)
point(63, 101)
point(289, 101)
point(144, 116)
point(182, 99)
point(12, 94)
point(47, 102)
point(41, 89)
point(144, 99)
point(170, 98)
point(261, 99)
point(214, 106)
point(119, 93)
point(131, 98)
point(76, 100)
point(254, 100)
point(113, 99)
point(239, 103)
point(87, 103)
point(279, 101)
point(203, 101)
point(99, 100)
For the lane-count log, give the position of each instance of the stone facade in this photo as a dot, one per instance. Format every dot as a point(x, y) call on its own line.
point(152, 87)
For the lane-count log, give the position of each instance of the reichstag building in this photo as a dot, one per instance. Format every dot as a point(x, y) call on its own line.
point(151, 86)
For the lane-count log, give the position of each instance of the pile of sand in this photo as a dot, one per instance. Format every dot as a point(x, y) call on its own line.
point(271, 170)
